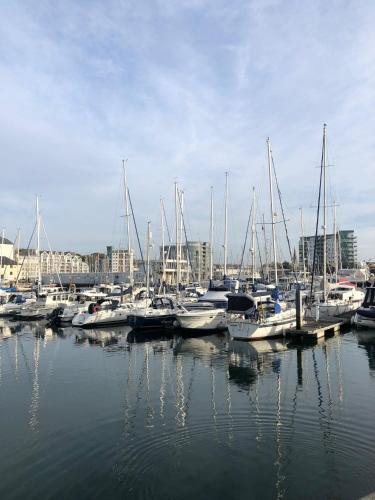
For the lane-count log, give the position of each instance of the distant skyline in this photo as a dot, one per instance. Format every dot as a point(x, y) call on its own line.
point(185, 90)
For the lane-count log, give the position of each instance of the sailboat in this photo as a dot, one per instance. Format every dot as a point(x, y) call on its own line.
point(252, 317)
point(46, 301)
point(339, 298)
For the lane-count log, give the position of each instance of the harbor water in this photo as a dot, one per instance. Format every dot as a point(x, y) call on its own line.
point(112, 414)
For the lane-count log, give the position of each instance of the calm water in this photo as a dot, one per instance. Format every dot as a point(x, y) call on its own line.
point(101, 414)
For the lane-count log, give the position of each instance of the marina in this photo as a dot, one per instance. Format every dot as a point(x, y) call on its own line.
point(116, 412)
point(187, 267)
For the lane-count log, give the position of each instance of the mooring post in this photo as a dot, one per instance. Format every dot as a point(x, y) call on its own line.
point(299, 309)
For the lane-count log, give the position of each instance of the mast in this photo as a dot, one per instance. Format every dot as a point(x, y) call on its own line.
point(265, 249)
point(303, 246)
point(212, 233)
point(226, 225)
point(177, 237)
point(335, 252)
point(272, 210)
point(253, 239)
point(324, 212)
point(127, 215)
point(148, 259)
point(162, 240)
point(38, 242)
point(181, 208)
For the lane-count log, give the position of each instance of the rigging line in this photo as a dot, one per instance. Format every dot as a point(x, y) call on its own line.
point(245, 242)
point(183, 225)
point(283, 214)
point(50, 249)
point(168, 232)
point(317, 223)
point(259, 254)
point(27, 249)
point(166, 223)
point(136, 232)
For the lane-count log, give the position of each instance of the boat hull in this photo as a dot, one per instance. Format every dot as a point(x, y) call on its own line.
point(150, 322)
point(243, 329)
point(102, 318)
point(202, 320)
point(364, 318)
point(331, 310)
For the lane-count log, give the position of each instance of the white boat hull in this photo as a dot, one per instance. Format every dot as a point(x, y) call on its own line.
point(86, 319)
point(202, 320)
point(247, 329)
point(332, 309)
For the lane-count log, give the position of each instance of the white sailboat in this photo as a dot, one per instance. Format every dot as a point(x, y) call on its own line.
point(339, 298)
point(252, 317)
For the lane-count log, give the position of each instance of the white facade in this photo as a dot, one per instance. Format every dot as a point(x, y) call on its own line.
point(119, 260)
point(6, 248)
point(50, 262)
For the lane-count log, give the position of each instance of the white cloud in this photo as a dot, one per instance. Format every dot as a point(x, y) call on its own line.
point(185, 90)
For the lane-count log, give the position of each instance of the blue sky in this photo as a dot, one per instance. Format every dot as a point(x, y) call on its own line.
point(185, 90)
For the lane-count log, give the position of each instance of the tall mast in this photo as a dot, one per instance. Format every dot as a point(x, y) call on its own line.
point(226, 225)
point(162, 240)
point(303, 246)
point(335, 252)
point(272, 209)
point(127, 215)
point(324, 212)
point(177, 237)
point(253, 239)
point(212, 233)
point(181, 207)
point(38, 242)
point(148, 259)
point(265, 249)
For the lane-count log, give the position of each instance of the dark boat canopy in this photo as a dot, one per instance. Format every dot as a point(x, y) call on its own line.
point(240, 302)
point(370, 297)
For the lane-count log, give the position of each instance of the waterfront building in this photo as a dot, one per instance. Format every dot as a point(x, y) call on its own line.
point(8, 264)
point(50, 262)
point(119, 260)
point(346, 245)
point(97, 262)
point(6, 248)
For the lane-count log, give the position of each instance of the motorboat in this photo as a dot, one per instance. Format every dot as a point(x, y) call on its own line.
point(204, 319)
point(104, 312)
point(45, 304)
point(341, 299)
point(161, 313)
point(12, 303)
point(65, 313)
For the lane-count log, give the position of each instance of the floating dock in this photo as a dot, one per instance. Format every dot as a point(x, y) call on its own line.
point(317, 329)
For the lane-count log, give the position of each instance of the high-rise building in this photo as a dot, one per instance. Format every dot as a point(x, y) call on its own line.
point(346, 251)
point(119, 260)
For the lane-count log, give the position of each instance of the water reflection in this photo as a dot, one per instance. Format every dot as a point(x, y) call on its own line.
point(170, 404)
point(366, 339)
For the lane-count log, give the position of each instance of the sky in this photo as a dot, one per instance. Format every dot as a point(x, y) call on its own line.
point(185, 91)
